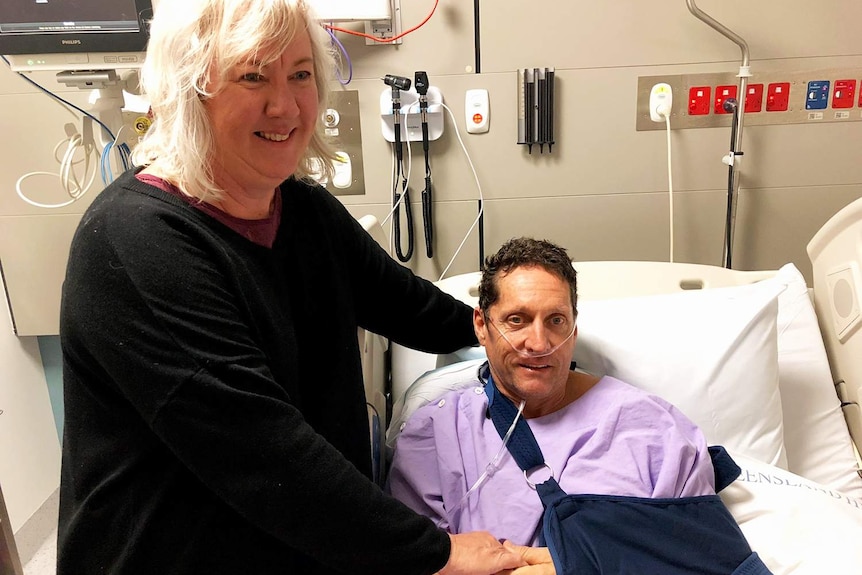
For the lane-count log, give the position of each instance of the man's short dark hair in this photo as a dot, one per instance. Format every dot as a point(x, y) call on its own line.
point(525, 252)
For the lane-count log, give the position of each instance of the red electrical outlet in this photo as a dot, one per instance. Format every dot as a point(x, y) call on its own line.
point(844, 94)
point(722, 93)
point(754, 98)
point(698, 100)
point(778, 97)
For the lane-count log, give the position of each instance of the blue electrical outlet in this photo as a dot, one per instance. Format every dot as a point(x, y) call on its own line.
point(817, 97)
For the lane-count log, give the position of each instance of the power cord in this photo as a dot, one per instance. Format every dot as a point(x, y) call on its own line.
point(478, 187)
point(69, 179)
point(661, 108)
point(394, 186)
point(669, 179)
point(75, 142)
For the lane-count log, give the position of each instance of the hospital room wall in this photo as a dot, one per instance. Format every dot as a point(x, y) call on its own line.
point(603, 191)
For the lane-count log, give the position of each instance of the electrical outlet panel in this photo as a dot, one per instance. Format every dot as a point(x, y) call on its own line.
point(341, 131)
point(771, 97)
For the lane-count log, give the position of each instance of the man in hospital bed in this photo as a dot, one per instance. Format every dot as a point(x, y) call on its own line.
point(597, 435)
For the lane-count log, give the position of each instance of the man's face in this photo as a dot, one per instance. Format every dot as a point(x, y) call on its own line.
point(533, 315)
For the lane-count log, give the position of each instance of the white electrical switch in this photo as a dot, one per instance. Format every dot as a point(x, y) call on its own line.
point(476, 111)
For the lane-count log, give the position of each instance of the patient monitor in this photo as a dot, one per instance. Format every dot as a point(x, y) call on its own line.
point(86, 42)
point(58, 35)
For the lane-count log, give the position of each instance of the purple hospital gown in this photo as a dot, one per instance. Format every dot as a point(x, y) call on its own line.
point(614, 440)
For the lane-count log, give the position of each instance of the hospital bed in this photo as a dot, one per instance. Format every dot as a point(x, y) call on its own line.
point(767, 367)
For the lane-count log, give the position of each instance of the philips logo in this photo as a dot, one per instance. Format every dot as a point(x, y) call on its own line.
point(70, 42)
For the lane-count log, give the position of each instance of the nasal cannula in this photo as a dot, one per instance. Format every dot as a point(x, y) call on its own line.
point(491, 468)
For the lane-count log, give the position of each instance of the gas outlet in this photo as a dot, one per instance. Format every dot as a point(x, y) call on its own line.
point(817, 97)
point(778, 97)
point(754, 99)
point(698, 100)
point(844, 94)
point(722, 94)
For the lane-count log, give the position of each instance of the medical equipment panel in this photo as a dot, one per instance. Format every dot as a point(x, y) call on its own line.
point(773, 97)
point(341, 129)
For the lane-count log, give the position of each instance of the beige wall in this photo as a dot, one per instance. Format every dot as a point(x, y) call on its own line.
point(603, 191)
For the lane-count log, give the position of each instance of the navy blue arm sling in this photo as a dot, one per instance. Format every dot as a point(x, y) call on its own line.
point(591, 534)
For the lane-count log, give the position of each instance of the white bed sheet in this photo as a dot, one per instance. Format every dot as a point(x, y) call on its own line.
point(797, 526)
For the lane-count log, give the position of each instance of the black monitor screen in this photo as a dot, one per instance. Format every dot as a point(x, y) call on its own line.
point(61, 26)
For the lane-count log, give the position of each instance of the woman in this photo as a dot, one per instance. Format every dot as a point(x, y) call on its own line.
point(215, 416)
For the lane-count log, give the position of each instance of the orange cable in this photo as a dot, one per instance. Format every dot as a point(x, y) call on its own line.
point(386, 40)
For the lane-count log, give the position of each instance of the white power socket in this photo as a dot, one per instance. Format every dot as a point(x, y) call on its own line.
point(660, 102)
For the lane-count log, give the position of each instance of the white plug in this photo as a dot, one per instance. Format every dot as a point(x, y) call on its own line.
point(660, 102)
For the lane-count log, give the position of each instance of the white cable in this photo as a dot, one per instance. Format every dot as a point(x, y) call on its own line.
point(410, 167)
point(669, 183)
point(393, 181)
point(396, 186)
point(67, 175)
point(478, 186)
point(490, 469)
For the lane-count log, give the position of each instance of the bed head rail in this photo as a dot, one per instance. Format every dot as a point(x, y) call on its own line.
point(596, 280)
point(618, 279)
point(836, 256)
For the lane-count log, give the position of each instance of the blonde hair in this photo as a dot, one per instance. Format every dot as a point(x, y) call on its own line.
point(189, 39)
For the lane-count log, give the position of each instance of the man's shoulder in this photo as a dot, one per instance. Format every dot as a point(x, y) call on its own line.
point(627, 395)
point(456, 395)
point(436, 394)
point(623, 390)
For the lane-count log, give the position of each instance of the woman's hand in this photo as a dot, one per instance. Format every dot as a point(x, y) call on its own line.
point(538, 560)
point(479, 553)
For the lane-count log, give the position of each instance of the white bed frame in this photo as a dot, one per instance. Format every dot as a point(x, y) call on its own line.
point(836, 254)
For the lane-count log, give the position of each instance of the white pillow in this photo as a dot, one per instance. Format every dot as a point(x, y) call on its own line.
point(815, 433)
point(795, 525)
point(711, 353)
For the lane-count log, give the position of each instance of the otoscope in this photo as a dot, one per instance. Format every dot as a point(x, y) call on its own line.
point(398, 83)
point(421, 85)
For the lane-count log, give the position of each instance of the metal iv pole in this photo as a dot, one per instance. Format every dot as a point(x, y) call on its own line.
point(734, 157)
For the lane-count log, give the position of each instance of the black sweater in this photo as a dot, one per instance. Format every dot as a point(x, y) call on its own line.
point(215, 419)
